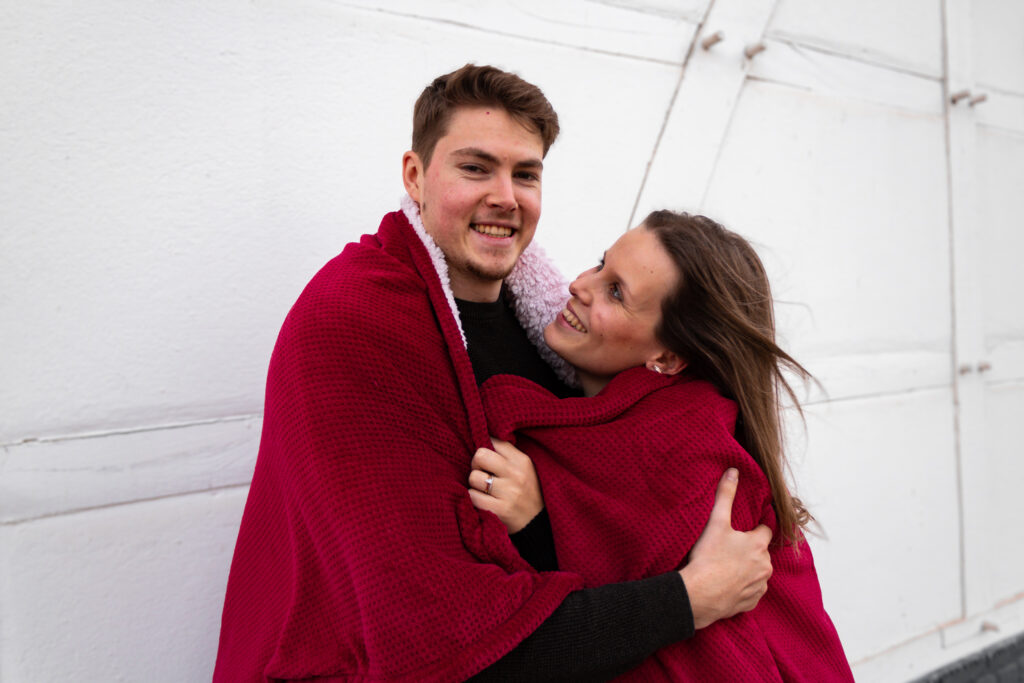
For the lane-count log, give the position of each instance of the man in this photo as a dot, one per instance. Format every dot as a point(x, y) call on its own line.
point(361, 556)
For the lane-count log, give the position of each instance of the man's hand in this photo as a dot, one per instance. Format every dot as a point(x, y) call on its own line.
point(504, 481)
point(728, 570)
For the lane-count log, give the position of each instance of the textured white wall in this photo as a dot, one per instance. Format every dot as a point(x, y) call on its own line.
point(173, 173)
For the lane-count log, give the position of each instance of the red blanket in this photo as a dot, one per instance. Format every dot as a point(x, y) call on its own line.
point(360, 556)
point(629, 478)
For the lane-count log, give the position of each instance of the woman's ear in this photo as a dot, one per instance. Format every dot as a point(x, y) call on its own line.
point(412, 175)
point(666, 363)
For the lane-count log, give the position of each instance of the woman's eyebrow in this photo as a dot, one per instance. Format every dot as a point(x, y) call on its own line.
point(623, 284)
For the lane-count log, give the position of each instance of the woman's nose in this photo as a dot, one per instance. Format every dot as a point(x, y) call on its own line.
point(578, 288)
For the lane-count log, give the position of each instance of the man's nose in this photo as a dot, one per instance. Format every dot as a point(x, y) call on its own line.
point(503, 194)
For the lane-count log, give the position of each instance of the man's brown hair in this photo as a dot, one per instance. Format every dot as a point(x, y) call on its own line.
point(479, 86)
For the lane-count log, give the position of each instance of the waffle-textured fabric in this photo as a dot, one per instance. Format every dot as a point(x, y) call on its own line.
point(629, 478)
point(360, 556)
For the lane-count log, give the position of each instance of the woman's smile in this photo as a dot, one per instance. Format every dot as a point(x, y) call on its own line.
point(609, 322)
point(570, 317)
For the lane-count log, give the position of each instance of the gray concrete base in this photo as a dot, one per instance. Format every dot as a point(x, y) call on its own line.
point(1000, 663)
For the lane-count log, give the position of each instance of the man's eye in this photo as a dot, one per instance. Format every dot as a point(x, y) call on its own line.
point(527, 176)
point(472, 168)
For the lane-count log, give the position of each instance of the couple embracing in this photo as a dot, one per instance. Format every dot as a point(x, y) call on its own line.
point(469, 471)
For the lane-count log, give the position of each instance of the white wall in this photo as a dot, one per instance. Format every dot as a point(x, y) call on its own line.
point(171, 174)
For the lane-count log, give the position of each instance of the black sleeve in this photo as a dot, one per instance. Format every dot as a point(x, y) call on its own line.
point(536, 544)
point(599, 633)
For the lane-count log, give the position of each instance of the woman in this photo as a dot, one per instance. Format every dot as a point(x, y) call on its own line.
point(672, 338)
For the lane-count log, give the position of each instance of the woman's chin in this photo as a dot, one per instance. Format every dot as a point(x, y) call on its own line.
point(550, 333)
point(554, 339)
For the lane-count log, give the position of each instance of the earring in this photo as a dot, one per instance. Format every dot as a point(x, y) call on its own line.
point(655, 368)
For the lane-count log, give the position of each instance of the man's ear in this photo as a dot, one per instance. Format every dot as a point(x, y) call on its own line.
point(666, 363)
point(412, 175)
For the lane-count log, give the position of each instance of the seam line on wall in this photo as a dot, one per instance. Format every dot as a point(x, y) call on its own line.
point(954, 351)
point(668, 112)
point(881, 394)
point(869, 58)
point(505, 34)
point(999, 90)
point(131, 430)
point(105, 506)
point(875, 103)
point(649, 11)
point(732, 114)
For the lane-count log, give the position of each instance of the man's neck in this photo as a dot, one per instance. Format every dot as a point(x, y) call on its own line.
point(476, 291)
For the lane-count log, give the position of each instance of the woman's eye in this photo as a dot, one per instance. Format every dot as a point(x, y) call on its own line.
point(616, 293)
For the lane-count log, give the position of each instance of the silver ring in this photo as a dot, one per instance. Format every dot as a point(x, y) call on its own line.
point(490, 483)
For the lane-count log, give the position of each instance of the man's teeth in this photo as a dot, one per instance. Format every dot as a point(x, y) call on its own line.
point(493, 230)
point(573, 320)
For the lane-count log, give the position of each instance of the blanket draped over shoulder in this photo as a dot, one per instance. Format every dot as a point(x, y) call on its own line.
point(360, 556)
point(628, 479)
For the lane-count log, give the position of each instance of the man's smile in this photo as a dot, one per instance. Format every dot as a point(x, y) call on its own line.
point(492, 230)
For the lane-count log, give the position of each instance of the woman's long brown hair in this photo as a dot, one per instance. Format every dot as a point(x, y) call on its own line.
point(720, 320)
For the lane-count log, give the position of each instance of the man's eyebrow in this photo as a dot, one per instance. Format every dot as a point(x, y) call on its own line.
point(477, 153)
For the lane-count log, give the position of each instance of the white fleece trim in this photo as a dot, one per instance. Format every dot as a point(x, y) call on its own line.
point(539, 291)
point(412, 211)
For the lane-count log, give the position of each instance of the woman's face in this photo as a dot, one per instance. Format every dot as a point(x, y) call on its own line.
point(608, 324)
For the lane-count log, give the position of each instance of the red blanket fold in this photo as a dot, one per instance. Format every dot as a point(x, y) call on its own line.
point(360, 556)
point(629, 478)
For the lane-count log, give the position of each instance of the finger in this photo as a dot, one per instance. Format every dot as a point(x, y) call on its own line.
point(751, 596)
point(753, 593)
point(747, 605)
point(516, 459)
point(481, 501)
point(721, 513)
point(489, 461)
point(762, 534)
point(506, 449)
point(480, 453)
point(478, 480)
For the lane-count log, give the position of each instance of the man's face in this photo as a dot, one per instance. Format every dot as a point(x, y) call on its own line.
point(479, 197)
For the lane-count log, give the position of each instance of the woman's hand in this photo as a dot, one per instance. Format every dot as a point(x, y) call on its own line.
point(504, 481)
